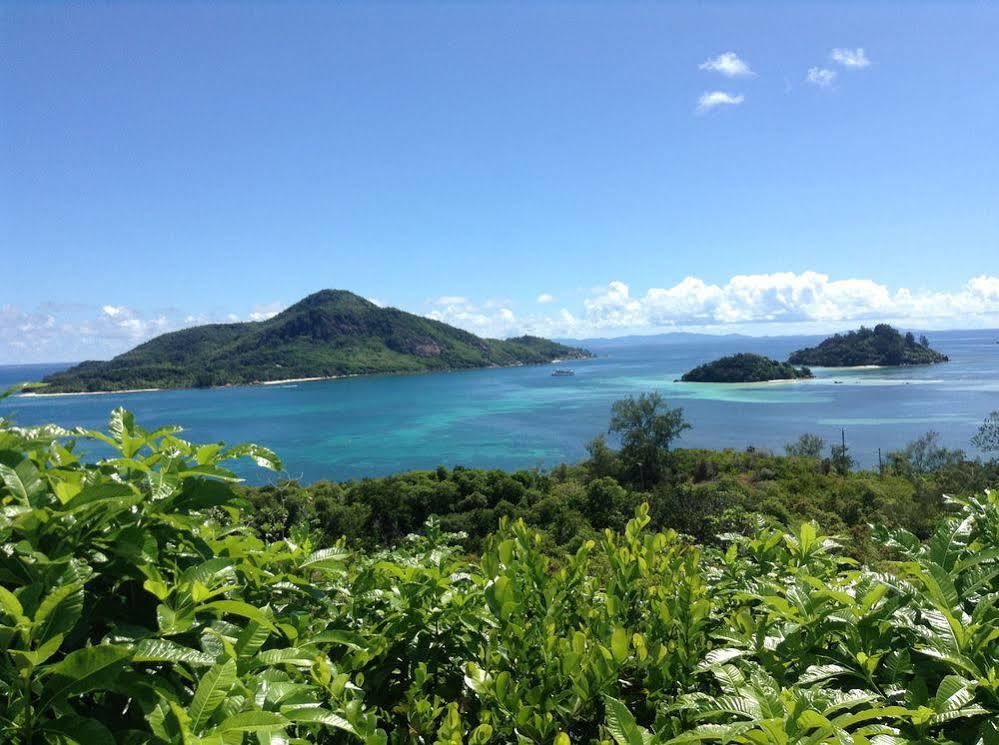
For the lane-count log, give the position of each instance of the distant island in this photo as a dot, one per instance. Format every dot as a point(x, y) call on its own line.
point(882, 345)
point(328, 334)
point(744, 368)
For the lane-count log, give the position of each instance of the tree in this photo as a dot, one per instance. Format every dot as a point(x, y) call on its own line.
point(647, 427)
point(806, 446)
point(923, 341)
point(987, 437)
point(923, 456)
point(603, 460)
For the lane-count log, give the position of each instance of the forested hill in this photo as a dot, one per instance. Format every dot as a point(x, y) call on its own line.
point(882, 345)
point(745, 368)
point(332, 332)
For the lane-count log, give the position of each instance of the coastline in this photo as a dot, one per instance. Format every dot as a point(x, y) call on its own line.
point(283, 381)
point(36, 394)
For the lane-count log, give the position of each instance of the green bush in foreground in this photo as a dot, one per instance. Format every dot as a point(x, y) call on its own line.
point(136, 608)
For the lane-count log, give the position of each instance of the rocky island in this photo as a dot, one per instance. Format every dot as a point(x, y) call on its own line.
point(328, 334)
point(883, 345)
point(745, 368)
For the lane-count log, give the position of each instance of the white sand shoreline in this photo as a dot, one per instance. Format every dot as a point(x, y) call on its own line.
point(283, 381)
point(37, 394)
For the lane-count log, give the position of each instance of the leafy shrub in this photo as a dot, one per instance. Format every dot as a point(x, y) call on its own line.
point(137, 607)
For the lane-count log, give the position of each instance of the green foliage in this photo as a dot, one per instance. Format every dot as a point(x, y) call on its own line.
point(647, 427)
point(329, 333)
point(703, 493)
point(136, 606)
point(126, 614)
point(882, 345)
point(806, 446)
point(986, 438)
point(923, 456)
point(744, 368)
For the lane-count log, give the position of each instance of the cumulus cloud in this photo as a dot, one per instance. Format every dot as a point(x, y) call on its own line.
point(69, 332)
point(785, 297)
point(262, 312)
point(728, 64)
point(712, 99)
point(821, 76)
point(544, 297)
point(855, 58)
point(781, 302)
point(492, 318)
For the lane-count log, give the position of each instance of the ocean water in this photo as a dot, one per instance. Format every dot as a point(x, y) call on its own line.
point(525, 418)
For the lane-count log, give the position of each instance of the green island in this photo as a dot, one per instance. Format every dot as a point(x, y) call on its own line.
point(745, 368)
point(647, 595)
point(330, 333)
point(883, 345)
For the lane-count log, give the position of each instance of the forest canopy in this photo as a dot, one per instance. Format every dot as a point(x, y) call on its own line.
point(745, 368)
point(882, 345)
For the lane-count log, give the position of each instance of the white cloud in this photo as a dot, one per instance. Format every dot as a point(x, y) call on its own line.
point(711, 99)
point(821, 76)
point(450, 300)
point(782, 302)
point(786, 297)
point(491, 318)
point(544, 297)
point(263, 311)
point(728, 64)
point(855, 58)
point(68, 332)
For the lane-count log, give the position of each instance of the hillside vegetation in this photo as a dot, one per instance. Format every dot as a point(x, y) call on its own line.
point(745, 368)
point(882, 345)
point(136, 606)
point(332, 332)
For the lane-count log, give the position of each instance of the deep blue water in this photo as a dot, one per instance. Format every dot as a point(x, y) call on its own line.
point(523, 417)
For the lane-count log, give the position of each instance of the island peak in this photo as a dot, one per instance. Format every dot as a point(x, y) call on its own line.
point(744, 367)
point(882, 345)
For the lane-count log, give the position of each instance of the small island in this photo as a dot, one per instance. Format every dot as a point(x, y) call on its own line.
point(745, 368)
point(332, 333)
point(883, 346)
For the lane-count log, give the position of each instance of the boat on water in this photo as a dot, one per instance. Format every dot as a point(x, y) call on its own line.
point(562, 373)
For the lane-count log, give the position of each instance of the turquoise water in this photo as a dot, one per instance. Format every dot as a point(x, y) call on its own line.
point(524, 418)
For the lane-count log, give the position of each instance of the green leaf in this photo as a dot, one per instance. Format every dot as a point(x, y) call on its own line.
point(77, 730)
point(327, 558)
point(261, 456)
point(287, 656)
point(40, 655)
point(88, 669)
point(11, 605)
point(621, 724)
point(253, 721)
point(318, 715)
point(212, 690)
point(164, 650)
point(59, 611)
point(23, 481)
point(620, 644)
point(239, 608)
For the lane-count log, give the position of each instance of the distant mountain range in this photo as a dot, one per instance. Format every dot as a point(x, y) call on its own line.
point(330, 333)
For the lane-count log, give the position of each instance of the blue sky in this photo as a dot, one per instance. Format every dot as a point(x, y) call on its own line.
point(171, 164)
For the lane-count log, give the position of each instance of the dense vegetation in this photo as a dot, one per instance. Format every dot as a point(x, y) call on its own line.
point(701, 493)
point(882, 345)
point(745, 368)
point(329, 333)
point(137, 607)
